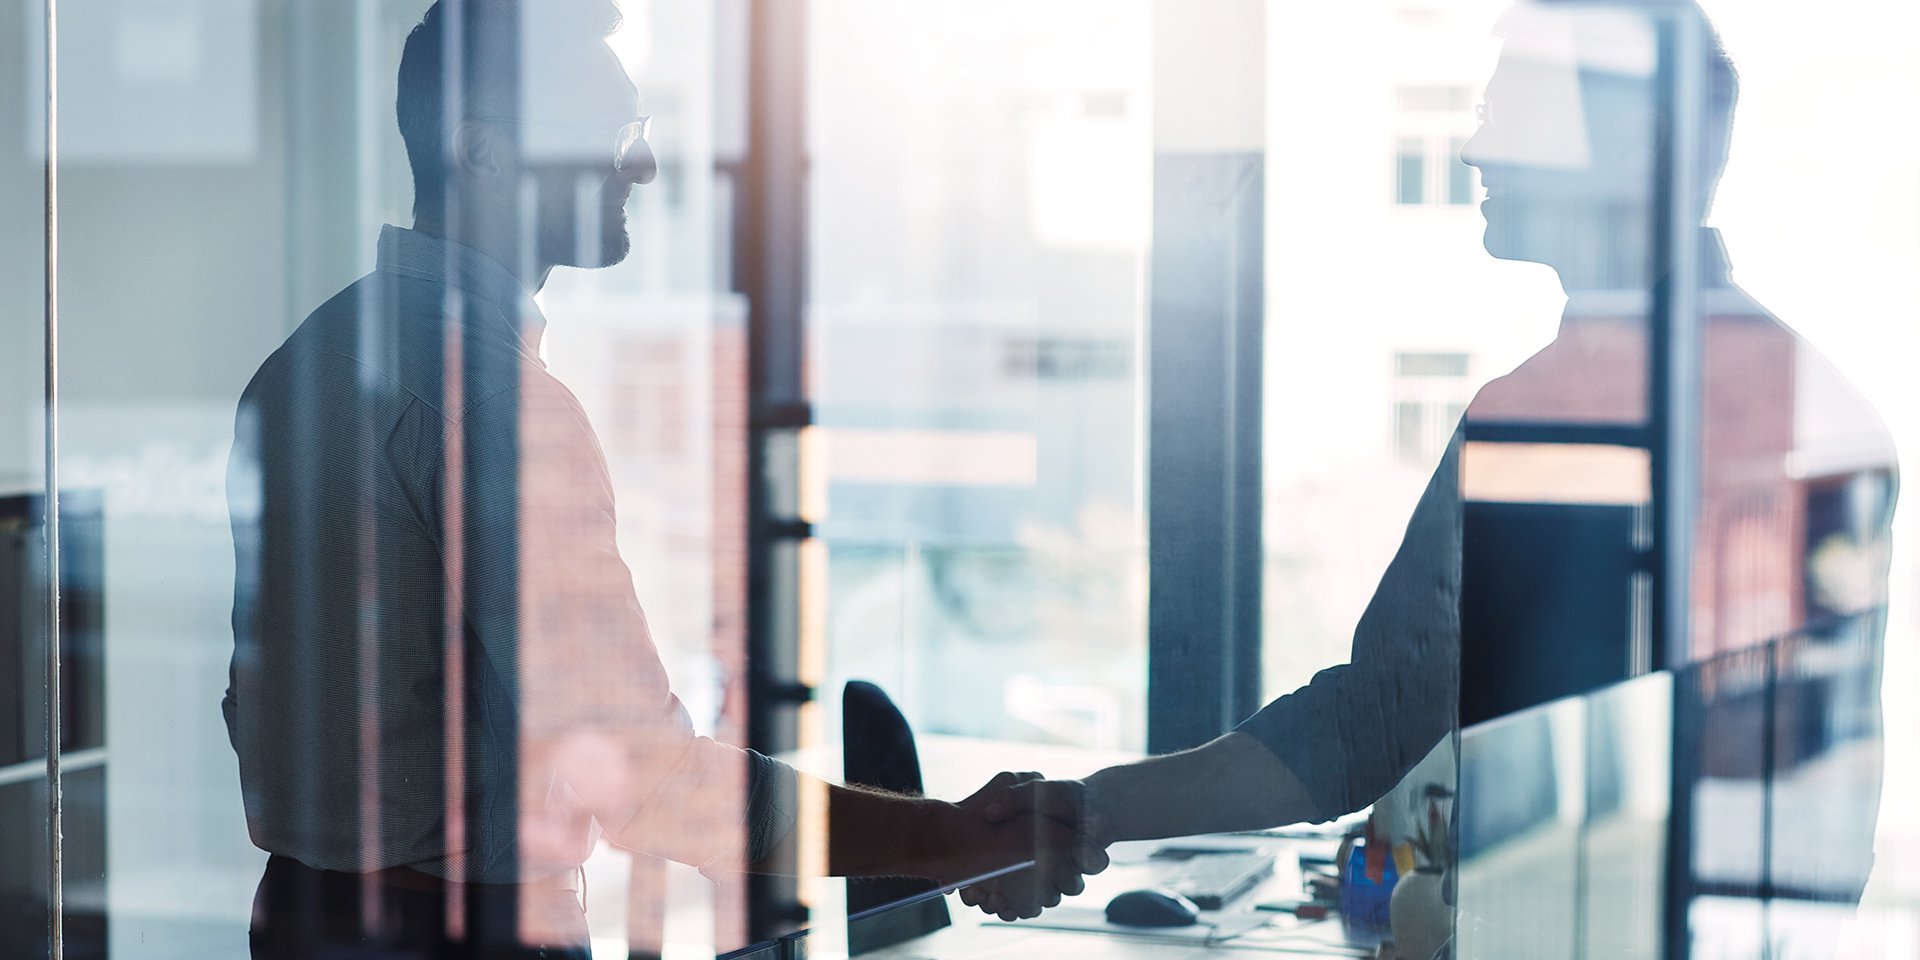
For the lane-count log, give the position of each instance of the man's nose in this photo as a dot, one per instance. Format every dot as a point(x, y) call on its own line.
point(1471, 152)
point(639, 165)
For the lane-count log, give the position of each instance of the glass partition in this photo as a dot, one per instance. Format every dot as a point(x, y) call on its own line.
point(228, 168)
point(27, 895)
point(586, 479)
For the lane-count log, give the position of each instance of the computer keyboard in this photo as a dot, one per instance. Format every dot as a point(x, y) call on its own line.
point(1213, 880)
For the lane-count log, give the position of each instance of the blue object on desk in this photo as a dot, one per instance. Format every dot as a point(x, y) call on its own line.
point(1363, 903)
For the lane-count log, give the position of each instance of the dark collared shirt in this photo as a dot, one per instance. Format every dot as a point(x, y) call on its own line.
point(431, 618)
point(1770, 405)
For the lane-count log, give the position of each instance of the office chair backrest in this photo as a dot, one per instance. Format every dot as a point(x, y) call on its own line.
point(878, 751)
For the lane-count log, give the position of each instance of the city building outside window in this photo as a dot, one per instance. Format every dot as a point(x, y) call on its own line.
point(1433, 122)
point(1430, 394)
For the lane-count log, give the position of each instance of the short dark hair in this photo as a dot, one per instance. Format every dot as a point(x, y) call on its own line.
point(1722, 93)
point(436, 92)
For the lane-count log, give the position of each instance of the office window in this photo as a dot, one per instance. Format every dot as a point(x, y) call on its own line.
point(1410, 172)
point(1460, 177)
point(976, 270)
point(1451, 98)
point(1428, 170)
point(1430, 366)
point(1431, 391)
point(1432, 122)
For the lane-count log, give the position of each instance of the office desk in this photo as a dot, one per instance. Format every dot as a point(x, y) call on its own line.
point(955, 766)
point(974, 935)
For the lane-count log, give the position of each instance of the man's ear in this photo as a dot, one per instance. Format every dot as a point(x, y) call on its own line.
point(476, 151)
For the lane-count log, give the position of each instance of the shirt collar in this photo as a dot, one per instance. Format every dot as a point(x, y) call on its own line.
point(1715, 281)
point(1715, 269)
point(410, 253)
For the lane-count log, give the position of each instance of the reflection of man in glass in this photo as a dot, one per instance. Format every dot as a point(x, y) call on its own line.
point(1795, 483)
point(443, 687)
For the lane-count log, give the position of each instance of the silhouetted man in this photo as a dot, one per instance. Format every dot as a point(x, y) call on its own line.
point(1795, 490)
point(443, 687)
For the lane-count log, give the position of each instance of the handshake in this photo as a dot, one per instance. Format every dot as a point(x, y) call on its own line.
point(1057, 831)
point(1024, 818)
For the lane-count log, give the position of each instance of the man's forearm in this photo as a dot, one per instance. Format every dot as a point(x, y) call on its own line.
point(1232, 783)
point(872, 833)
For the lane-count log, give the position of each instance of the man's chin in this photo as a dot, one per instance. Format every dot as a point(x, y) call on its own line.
point(1496, 245)
point(1501, 244)
point(613, 250)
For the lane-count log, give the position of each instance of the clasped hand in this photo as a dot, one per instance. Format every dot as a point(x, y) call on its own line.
point(1048, 821)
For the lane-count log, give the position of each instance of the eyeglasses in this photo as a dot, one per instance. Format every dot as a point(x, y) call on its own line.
point(630, 136)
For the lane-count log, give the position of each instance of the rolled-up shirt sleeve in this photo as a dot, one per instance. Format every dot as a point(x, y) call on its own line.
point(1352, 732)
point(773, 801)
point(553, 605)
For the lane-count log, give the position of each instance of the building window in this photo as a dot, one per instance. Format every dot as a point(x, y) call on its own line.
point(1410, 172)
point(1415, 365)
point(1432, 126)
point(1067, 358)
point(1459, 175)
point(1430, 394)
point(1449, 99)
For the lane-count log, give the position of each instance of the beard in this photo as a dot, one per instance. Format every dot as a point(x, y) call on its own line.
point(609, 244)
point(581, 221)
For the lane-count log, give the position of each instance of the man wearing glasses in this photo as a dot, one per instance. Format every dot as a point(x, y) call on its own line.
point(443, 685)
point(1796, 482)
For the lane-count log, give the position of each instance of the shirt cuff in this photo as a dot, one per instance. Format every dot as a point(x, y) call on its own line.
point(773, 791)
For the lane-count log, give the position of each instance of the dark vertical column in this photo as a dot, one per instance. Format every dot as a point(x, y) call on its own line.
point(483, 60)
point(1205, 317)
point(1675, 352)
point(770, 268)
point(1676, 341)
point(1203, 447)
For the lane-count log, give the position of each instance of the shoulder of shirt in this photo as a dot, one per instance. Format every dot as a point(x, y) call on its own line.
point(318, 338)
point(1854, 414)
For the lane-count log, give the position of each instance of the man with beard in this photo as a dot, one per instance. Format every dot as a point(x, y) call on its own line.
point(443, 686)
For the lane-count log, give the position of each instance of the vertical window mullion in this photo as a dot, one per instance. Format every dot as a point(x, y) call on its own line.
point(51, 345)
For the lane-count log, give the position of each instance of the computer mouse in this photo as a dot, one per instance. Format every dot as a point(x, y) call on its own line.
point(1152, 908)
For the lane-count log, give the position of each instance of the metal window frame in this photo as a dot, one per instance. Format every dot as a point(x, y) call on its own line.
point(770, 262)
point(56, 906)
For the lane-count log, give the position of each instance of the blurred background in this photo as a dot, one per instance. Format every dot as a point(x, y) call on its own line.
point(942, 232)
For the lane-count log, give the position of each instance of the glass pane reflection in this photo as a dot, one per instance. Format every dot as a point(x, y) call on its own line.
point(1663, 749)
